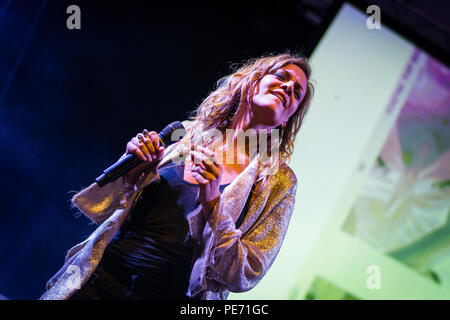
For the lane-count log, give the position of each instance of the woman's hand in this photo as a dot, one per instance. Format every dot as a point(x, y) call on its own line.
point(146, 147)
point(208, 173)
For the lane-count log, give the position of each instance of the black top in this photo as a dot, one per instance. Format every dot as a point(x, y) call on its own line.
point(151, 249)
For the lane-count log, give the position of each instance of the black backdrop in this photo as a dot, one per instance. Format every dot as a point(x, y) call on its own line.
point(71, 99)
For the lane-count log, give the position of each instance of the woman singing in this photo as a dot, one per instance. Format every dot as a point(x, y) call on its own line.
point(210, 223)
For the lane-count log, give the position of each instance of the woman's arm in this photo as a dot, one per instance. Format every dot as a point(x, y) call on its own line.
point(98, 203)
point(234, 260)
point(239, 261)
point(228, 257)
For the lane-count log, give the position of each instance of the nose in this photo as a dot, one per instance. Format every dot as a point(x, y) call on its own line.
point(288, 86)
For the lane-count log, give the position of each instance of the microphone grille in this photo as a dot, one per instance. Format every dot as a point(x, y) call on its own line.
point(166, 134)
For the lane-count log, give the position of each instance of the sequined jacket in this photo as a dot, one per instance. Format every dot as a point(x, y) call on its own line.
point(231, 259)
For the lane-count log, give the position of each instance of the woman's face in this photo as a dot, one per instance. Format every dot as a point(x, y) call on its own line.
point(277, 96)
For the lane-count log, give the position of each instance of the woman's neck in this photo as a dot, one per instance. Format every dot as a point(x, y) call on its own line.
point(242, 137)
point(245, 120)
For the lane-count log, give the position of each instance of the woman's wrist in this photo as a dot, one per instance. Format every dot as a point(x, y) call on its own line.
point(208, 207)
point(132, 176)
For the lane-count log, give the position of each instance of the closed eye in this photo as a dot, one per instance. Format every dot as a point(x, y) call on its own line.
point(280, 76)
point(283, 78)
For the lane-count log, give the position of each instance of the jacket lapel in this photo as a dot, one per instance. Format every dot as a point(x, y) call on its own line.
point(236, 193)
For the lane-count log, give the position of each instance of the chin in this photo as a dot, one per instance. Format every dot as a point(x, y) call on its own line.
point(273, 114)
point(268, 113)
point(272, 109)
point(269, 124)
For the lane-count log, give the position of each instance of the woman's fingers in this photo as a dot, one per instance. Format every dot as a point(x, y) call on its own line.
point(200, 179)
point(205, 167)
point(149, 145)
point(197, 159)
point(204, 162)
point(146, 146)
point(205, 154)
point(211, 167)
point(213, 160)
point(209, 153)
point(155, 143)
point(135, 147)
point(209, 161)
point(208, 174)
point(160, 153)
point(204, 173)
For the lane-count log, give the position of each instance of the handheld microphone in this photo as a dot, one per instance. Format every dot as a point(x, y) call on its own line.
point(130, 161)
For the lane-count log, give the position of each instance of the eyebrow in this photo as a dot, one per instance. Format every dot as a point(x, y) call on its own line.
point(297, 84)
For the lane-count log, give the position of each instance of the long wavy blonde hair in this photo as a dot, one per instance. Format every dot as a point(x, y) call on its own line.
point(219, 108)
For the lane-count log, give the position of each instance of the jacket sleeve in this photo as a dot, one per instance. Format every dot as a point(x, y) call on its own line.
point(239, 261)
point(98, 203)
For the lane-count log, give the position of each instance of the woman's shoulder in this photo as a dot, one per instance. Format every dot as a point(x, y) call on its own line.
point(285, 173)
point(280, 180)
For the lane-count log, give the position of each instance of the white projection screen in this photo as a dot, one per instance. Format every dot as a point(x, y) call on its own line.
point(373, 164)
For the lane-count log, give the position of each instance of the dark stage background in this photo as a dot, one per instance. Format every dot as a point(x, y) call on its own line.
point(71, 99)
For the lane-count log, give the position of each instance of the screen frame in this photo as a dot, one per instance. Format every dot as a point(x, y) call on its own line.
point(409, 34)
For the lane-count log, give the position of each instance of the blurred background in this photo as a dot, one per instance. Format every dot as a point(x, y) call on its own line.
point(71, 99)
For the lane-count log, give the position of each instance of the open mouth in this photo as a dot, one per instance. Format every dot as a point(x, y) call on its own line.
point(280, 96)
